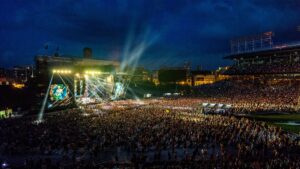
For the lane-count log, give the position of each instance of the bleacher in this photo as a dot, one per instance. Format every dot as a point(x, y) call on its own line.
point(284, 60)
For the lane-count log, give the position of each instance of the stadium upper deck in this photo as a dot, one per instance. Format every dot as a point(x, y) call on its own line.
point(281, 59)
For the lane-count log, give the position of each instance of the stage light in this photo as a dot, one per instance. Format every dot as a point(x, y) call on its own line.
point(50, 105)
point(18, 85)
point(4, 165)
point(92, 72)
point(62, 71)
point(41, 113)
point(109, 79)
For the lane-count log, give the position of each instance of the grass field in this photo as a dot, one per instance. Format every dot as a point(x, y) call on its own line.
point(279, 117)
point(275, 118)
point(294, 129)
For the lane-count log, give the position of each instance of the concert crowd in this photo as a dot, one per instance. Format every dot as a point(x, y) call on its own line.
point(146, 137)
point(252, 95)
point(264, 69)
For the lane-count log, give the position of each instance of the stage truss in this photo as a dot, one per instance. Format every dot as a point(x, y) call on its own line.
point(85, 88)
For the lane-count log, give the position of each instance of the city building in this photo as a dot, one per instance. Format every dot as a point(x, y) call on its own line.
point(187, 76)
point(201, 77)
point(87, 53)
point(2, 72)
point(21, 74)
point(174, 75)
point(16, 76)
point(141, 74)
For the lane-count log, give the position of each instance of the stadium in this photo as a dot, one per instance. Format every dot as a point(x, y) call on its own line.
point(158, 84)
point(87, 121)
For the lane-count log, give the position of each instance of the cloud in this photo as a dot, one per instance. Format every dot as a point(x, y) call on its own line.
point(191, 29)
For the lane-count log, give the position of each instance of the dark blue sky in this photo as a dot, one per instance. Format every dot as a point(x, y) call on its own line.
point(179, 30)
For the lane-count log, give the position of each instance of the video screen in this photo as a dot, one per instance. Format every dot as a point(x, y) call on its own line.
point(58, 92)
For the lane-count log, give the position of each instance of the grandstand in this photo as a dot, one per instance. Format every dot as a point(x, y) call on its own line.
point(266, 78)
point(281, 60)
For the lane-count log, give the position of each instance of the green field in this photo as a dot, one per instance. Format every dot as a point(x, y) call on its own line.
point(279, 117)
point(294, 129)
point(275, 118)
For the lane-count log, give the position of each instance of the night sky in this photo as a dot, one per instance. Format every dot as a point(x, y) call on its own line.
point(173, 31)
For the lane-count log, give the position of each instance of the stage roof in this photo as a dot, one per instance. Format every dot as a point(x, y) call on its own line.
point(77, 61)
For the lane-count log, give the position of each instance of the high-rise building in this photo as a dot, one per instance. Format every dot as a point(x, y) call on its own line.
point(87, 53)
point(2, 72)
point(21, 73)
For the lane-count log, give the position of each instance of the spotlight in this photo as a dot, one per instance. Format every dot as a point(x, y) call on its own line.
point(4, 165)
point(63, 71)
point(92, 72)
